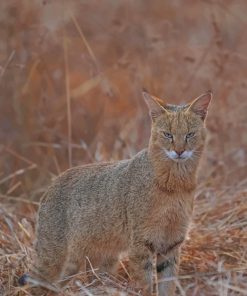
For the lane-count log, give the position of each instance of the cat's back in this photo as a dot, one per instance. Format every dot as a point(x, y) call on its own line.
point(111, 179)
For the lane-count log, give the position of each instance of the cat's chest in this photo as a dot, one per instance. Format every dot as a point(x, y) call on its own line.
point(168, 225)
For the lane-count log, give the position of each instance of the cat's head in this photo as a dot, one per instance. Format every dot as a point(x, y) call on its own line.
point(178, 132)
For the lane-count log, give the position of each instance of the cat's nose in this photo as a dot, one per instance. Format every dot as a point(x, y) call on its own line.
point(179, 152)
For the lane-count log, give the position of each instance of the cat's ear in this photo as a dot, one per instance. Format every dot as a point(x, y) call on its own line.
point(200, 105)
point(154, 105)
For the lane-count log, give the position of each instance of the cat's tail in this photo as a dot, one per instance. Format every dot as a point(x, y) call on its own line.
point(24, 279)
point(27, 279)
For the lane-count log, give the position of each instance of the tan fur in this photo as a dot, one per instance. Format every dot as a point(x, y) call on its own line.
point(142, 205)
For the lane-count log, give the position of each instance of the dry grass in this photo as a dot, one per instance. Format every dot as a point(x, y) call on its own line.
point(70, 81)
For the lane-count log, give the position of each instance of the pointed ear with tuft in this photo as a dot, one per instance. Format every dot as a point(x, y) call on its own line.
point(200, 105)
point(154, 105)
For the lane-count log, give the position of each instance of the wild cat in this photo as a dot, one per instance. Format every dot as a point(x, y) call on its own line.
point(142, 205)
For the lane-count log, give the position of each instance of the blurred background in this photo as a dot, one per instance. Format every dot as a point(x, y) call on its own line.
point(71, 75)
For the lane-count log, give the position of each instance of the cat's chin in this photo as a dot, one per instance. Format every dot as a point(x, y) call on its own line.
point(180, 160)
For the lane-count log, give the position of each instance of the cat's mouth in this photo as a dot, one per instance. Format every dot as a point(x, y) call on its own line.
point(179, 157)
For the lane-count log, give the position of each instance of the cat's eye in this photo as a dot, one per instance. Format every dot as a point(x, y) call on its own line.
point(168, 135)
point(190, 135)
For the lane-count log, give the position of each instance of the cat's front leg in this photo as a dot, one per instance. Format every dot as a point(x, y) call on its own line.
point(167, 267)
